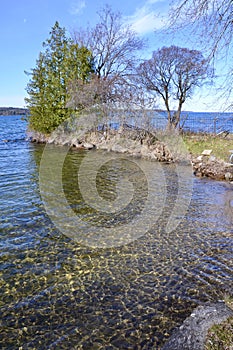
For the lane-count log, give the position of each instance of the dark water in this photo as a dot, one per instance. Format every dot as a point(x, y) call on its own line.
point(58, 294)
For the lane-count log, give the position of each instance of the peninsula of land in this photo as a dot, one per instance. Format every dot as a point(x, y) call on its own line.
point(13, 111)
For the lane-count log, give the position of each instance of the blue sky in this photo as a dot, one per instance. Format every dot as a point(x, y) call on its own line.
point(25, 24)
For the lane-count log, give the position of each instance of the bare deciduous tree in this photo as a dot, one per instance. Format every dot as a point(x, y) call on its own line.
point(211, 18)
point(112, 101)
point(212, 26)
point(115, 47)
point(172, 73)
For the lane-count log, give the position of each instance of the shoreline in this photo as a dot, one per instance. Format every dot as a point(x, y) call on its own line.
point(139, 143)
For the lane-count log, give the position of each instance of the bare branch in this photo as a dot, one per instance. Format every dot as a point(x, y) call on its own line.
point(173, 73)
point(211, 19)
point(115, 47)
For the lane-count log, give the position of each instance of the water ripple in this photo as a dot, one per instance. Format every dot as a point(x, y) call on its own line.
point(56, 293)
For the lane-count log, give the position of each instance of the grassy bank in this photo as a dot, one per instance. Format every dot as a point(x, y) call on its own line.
point(221, 336)
point(220, 145)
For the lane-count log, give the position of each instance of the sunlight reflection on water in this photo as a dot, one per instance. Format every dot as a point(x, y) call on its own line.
point(57, 293)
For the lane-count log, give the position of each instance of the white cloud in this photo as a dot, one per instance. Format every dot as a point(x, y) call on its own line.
point(149, 17)
point(77, 7)
point(154, 1)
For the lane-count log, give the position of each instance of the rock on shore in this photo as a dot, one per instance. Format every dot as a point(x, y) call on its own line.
point(205, 166)
point(191, 335)
point(139, 143)
point(132, 141)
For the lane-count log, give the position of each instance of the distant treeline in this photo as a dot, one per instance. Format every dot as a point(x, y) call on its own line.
point(13, 111)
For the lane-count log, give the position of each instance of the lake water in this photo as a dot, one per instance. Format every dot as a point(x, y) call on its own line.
point(205, 122)
point(198, 122)
point(59, 293)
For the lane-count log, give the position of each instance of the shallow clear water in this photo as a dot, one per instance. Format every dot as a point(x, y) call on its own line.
point(56, 293)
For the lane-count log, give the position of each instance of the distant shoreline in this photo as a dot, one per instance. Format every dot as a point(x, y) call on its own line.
point(13, 111)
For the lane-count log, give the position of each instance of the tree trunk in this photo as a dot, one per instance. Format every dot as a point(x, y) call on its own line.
point(169, 117)
point(176, 116)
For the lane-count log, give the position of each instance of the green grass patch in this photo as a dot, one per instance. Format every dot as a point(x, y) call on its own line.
point(220, 145)
point(220, 337)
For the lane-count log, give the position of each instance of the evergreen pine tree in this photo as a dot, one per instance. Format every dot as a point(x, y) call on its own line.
point(61, 63)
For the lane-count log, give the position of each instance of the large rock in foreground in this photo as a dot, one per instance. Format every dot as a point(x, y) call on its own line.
point(191, 335)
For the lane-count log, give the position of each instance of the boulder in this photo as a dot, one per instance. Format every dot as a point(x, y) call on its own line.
point(87, 145)
point(191, 335)
point(229, 176)
point(212, 168)
point(118, 148)
point(207, 152)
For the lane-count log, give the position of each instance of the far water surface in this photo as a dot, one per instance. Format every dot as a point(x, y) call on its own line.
point(57, 293)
